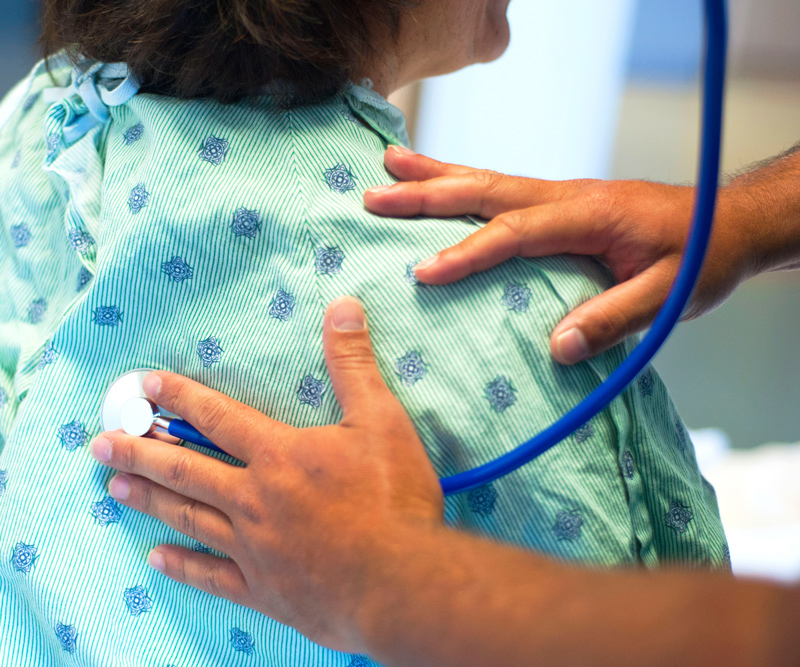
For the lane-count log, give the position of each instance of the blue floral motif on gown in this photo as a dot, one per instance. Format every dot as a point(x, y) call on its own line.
point(3, 481)
point(678, 517)
point(214, 150)
point(500, 393)
point(584, 433)
point(137, 600)
point(201, 548)
point(410, 276)
point(359, 661)
point(20, 235)
point(311, 391)
point(627, 464)
point(683, 440)
point(49, 355)
point(410, 368)
point(17, 159)
point(177, 269)
point(246, 223)
point(80, 241)
point(52, 146)
point(3, 398)
point(517, 298)
point(72, 435)
point(30, 101)
point(107, 316)
point(340, 178)
point(242, 641)
point(138, 199)
point(209, 351)
point(84, 278)
point(329, 260)
point(282, 306)
point(67, 637)
point(106, 512)
point(645, 383)
point(36, 311)
point(482, 500)
point(133, 134)
point(24, 557)
point(568, 525)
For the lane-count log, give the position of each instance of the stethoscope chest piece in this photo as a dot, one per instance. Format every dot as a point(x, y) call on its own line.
point(126, 406)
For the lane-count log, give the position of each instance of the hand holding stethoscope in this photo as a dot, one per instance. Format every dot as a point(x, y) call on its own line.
point(275, 517)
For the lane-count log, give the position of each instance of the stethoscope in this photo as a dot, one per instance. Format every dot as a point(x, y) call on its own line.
point(125, 405)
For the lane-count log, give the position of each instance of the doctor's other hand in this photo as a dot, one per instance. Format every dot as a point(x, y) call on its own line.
point(306, 522)
point(638, 229)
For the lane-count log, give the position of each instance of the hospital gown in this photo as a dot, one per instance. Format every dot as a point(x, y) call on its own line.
point(207, 240)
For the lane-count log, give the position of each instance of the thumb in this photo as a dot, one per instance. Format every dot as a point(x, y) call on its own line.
point(356, 380)
point(611, 317)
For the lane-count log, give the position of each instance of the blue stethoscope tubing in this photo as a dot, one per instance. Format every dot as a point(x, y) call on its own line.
point(716, 20)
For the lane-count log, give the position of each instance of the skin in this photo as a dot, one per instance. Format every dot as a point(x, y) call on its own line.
point(338, 532)
point(438, 37)
point(637, 228)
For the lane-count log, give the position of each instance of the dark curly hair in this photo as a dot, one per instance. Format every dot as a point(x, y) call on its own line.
point(227, 49)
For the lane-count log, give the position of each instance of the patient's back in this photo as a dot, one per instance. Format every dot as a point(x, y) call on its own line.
point(208, 240)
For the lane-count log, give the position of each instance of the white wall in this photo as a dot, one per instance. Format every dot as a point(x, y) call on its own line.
point(548, 108)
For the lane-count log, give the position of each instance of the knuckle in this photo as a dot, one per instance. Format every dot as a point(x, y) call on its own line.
point(248, 506)
point(512, 221)
point(125, 454)
point(212, 581)
point(353, 353)
point(486, 179)
point(178, 471)
point(186, 517)
point(146, 500)
point(600, 199)
point(211, 411)
point(611, 324)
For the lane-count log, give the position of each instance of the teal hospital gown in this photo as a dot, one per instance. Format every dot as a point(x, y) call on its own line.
point(145, 231)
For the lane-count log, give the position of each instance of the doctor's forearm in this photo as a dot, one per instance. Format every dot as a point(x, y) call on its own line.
point(448, 599)
point(765, 203)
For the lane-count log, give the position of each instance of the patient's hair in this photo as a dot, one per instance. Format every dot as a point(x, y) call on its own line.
point(227, 49)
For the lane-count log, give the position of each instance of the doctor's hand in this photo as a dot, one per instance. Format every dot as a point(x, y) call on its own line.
point(637, 228)
point(306, 521)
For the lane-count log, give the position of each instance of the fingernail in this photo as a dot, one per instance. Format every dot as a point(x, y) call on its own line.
point(152, 385)
point(425, 263)
point(377, 190)
point(348, 315)
point(101, 449)
point(572, 346)
point(402, 150)
point(155, 559)
point(119, 488)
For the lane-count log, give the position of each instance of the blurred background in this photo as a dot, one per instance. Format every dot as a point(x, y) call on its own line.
point(610, 90)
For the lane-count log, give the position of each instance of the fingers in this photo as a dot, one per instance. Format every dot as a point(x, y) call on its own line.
point(190, 517)
point(441, 190)
point(218, 576)
point(610, 318)
point(480, 193)
point(238, 429)
point(185, 471)
point(356, 380)
point(410, 166)
point(534, 232)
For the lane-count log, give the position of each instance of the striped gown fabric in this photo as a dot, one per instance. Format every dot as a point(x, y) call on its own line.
point(207, 240)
